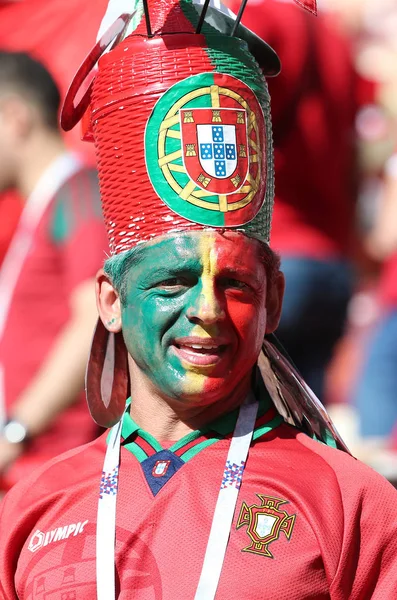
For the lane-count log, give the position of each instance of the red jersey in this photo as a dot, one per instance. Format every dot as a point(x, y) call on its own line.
point(10, 211)
point(68, 248)
point(311, 522)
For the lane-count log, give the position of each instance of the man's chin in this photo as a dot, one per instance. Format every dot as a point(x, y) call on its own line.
point(209, 390)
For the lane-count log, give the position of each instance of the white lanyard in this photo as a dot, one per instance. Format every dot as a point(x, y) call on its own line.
point(227, 499)
point(221, 522)
point(59, 171)
point(106, 518)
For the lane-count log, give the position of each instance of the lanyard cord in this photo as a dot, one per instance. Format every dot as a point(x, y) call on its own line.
point(227, 500)
point(106, 519)
point(221, 522)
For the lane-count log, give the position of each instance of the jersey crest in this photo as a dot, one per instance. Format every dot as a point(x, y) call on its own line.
point(265, 522)
point(160, 468)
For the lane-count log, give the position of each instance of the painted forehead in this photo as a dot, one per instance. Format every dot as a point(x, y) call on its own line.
point(227, 250)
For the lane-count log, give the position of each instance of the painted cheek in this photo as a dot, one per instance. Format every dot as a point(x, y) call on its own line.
point(248, 317)
point(136, 333)
point(250, 329)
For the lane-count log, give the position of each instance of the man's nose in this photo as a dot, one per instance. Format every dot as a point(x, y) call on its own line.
point(208, 307)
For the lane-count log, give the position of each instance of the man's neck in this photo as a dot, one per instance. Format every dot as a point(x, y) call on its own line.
point(169, 420)
point(38, 156)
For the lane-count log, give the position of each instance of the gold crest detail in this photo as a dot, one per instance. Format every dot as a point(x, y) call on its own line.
point(188, 118)
point(203, 179)
point(265, 522)
point(190, 150)
point(235, 180)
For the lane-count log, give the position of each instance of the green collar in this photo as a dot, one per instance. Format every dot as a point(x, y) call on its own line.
point(143, 445)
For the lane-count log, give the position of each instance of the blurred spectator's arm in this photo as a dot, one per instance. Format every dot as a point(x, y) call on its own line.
point(382, 240)
point(61, 377)
point(78, 232)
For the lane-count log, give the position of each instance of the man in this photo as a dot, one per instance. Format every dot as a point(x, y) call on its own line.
point(47, 302)
point(216, 495)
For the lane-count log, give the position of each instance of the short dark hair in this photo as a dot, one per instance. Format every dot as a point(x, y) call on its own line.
point(21, 73)
point(116, 267)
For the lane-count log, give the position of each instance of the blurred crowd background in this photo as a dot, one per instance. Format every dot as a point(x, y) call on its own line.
point(335, 221)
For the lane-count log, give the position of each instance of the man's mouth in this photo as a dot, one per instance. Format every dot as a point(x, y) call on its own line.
point(200, 352)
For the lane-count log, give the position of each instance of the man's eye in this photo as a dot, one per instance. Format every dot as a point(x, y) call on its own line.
point(236, 284)
point(172, 282)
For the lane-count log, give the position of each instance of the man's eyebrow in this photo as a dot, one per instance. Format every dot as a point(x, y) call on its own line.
point(175, 268)
point(157, 272)
point(241, 274)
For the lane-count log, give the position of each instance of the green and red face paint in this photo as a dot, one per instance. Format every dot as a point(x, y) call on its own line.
point(194, 314)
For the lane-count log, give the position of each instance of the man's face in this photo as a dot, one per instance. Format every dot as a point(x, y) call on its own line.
point(194, 315)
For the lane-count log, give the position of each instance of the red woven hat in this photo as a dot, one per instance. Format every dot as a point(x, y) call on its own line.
point(181, 125)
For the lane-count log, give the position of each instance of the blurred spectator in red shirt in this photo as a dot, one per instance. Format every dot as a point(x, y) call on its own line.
point(314, 105)
point(47, 305)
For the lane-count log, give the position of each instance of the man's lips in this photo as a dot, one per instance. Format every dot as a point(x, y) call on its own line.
point(200, 351)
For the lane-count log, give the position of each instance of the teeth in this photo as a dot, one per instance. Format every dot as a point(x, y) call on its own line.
point(199, 347)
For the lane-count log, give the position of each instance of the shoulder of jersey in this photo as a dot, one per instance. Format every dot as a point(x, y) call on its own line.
point(56, 475)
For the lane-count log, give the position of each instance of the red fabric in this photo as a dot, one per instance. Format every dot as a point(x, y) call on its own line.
point(10, 211)
point(342, 546)
point(388, 283)
point(40, 309)
point(314, 158)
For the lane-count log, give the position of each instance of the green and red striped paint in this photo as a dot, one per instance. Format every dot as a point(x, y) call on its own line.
point(195, 289)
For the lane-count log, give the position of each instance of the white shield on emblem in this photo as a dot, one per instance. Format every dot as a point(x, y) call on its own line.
point(217, 149)
point(264, 525)
point(160, 467)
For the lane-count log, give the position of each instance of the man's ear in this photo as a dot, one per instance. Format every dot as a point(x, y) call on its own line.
point(274, 301)
point(108, 302)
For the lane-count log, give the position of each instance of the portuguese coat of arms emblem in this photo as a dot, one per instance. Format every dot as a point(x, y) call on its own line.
point(265, 522)
point(206, 150)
